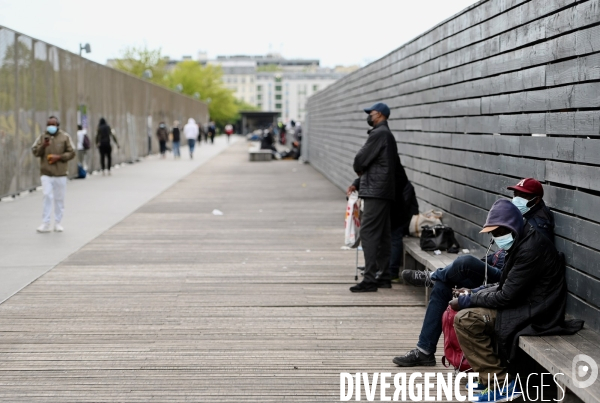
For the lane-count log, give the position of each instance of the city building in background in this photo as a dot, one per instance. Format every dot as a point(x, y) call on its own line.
point(272, 82)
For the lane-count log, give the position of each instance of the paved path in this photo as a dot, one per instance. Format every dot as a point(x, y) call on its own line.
point(93, 205)
point(176, 304)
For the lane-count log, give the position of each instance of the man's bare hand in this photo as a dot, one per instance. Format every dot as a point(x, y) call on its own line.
point(52, 158)
point(454, 304)
point(351, 189)
point(46, 142)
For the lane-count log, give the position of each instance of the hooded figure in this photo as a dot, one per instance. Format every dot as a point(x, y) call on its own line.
point(190, 130)
point(531, 296)
point(103, 141)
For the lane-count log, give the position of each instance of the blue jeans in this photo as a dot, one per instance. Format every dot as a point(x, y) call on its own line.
point(466, 271)
point(191, 145)
point(397, 251)
point(176, 149)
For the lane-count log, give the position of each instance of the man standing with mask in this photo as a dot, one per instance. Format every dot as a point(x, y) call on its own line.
point(54, 148)
point(380, 175)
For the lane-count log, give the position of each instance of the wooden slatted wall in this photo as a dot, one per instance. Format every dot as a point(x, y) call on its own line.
point(504, 90)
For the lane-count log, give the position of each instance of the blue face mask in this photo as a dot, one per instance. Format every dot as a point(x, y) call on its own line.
point(504, 241)
point(51, 129)
point(521, 204)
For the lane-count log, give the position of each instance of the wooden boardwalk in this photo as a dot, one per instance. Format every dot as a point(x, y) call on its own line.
point(177, 304)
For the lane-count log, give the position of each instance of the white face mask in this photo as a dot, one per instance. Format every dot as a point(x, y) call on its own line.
point(504, 241)
point(521, 204)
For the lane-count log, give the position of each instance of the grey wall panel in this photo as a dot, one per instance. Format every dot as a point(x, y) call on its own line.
point(38, 80)
point(500, 91)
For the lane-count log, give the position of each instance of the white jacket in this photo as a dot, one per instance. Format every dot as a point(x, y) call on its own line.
point(190, 130)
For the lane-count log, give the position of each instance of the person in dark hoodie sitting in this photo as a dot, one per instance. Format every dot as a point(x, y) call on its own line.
point(469, 272)
point(530, 299)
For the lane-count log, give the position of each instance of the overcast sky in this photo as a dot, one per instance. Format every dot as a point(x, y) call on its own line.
point(338, 32)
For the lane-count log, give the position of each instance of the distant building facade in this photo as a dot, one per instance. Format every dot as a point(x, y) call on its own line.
point(273, 83)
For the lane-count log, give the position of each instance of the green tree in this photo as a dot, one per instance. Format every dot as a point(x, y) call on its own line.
point(245, 106)
point(136, 60)
point(206, 81)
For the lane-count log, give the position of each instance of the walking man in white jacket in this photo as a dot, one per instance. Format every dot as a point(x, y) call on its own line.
point(191, 131)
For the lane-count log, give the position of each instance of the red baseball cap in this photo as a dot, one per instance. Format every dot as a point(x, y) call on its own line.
point(529, 185)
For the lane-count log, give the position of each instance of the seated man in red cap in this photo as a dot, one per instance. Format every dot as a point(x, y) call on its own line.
point(468, 271)
point(530, 299)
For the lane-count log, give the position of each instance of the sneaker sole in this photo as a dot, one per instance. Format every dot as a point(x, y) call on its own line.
point(420, 364)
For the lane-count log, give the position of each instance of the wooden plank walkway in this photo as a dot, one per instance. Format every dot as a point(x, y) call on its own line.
point(176, 304)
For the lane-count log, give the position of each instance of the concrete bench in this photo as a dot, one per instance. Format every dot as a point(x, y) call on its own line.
point(260, 155)
point(556, 355)
point(417, 259)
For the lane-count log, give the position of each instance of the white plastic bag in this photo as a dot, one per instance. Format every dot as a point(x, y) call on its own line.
point(430, 217)
point(353, 221)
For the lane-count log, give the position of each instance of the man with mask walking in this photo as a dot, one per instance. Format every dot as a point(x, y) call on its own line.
point(54, 149)
point(380, 175)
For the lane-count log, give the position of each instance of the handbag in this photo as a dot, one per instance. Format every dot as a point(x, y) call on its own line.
point(438, 237)
point(352, 222)
point(453, 354)
point(430, 217)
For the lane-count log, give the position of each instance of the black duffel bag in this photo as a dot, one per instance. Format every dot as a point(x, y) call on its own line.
point(438, 237)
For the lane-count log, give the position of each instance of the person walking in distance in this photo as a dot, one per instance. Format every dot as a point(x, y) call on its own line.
point(83, 144)
point(212, 130)
point(176, 139)
point(381, 181)
point(54, 149)
point(163, 136)
point(228, 131)
point(191, 131)
point(103, 142)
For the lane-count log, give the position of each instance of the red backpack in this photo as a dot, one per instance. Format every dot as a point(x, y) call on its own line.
point(453, 354)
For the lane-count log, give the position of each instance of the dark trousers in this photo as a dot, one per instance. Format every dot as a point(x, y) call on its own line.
point(466, 271)
point(163, 146)
point(105, 153)
point(376, 239)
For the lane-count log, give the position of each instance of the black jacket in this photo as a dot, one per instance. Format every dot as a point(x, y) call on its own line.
point(405, 205)
point(532, 293)
point(378, 165)
point(541, 218)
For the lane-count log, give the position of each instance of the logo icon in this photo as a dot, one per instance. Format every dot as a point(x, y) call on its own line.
point(583, 367)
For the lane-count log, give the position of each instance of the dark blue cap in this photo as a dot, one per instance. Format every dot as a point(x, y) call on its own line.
point(381, 108)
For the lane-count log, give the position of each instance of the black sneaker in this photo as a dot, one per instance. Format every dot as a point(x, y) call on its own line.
point(418, 278)
point(415, 358)
point(384, 284)
point(364, 287)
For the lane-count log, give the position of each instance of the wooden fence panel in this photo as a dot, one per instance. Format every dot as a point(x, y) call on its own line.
point(501, 91)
